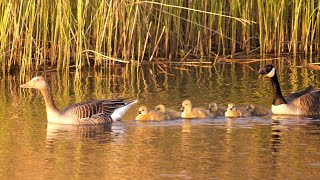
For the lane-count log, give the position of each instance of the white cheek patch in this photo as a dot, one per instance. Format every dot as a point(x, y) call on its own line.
point(272, 72)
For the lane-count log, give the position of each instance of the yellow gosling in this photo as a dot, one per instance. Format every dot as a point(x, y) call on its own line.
point(145, 114)
point(232, 111)
point(190, 113)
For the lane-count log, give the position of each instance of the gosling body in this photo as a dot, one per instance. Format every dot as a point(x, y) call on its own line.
point(191, 113)
point(216, 110)
point(145, 114)
point(171, 114)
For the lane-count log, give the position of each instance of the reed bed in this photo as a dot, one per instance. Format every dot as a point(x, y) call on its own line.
point(59, 34)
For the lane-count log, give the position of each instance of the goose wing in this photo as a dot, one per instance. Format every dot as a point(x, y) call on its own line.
point(289, 98)
point(93, 108)
point(308, 104)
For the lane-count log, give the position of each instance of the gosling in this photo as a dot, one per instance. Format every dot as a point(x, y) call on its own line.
point(191, 113)
point(257, 110)
point(233, 111)
point(171, 114)
point(216, 110)
point(145, 114)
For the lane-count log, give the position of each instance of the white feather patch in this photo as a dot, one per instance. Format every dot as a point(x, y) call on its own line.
point(272, 72)
point(285, 109)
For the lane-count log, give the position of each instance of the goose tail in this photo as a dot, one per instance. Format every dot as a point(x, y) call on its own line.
point(119, 112)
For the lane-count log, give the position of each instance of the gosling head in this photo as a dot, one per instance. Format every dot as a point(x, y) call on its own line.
point(213, 107)
point(250, 108)
point(269, 70)
point(143, 110)
point(37, 82)
point(232, 107)
point(186, 104)
point(160, 108)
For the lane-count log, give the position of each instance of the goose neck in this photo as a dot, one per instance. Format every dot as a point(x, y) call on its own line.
point(50, 105)
point(277, 94)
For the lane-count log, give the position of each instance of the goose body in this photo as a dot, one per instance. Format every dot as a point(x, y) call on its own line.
point(172, 114)
point(216, 110)
point(145, 114)
point(89, 112)
point(304, 102)
point(190, 113)
point(295, 95)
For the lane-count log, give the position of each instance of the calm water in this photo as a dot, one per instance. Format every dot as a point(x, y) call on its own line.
point(270, 147)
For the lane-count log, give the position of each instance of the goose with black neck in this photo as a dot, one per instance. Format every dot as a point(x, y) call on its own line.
point(306, 104)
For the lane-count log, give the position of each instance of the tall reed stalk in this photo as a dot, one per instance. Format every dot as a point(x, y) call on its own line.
point(59, 34)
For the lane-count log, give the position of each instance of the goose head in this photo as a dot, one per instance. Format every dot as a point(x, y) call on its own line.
point(269, 70)
point(143, 110)
point(213, 107)
point(160, 108)
point(38, 82)
point(186, 105)
point(232, 107)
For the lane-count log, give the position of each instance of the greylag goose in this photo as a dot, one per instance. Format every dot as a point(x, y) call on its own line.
point(145, 114)
point(172, 114)
point(89, 112)
point(190, 113)
point(306, 103)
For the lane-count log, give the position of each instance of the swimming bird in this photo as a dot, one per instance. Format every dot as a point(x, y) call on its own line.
point(145, 114)
point(306, 104)
point(189, 112)
point(257, 110)
point(216, 110)
point(172, 114)
point(233, 111)
point(89, 112)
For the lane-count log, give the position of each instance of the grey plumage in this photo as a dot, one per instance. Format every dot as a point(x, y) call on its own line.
point(89, 112)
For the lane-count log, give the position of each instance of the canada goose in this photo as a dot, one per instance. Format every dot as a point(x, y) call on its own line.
point(257, 110)
point(233, 111)
point(189, 112)
point(145, 114)
point(172, 114)
point(307, 104)
point(216, 110)
point(89, 112)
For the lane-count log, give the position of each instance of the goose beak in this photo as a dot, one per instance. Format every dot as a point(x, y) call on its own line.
point(182, 108)
point(139, 112)
point(27, 85)
point(262, 71)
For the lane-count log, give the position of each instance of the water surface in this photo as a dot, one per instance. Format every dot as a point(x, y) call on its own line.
point(268, 147)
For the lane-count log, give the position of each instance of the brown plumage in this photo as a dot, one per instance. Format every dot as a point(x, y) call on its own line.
point(305, 103)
